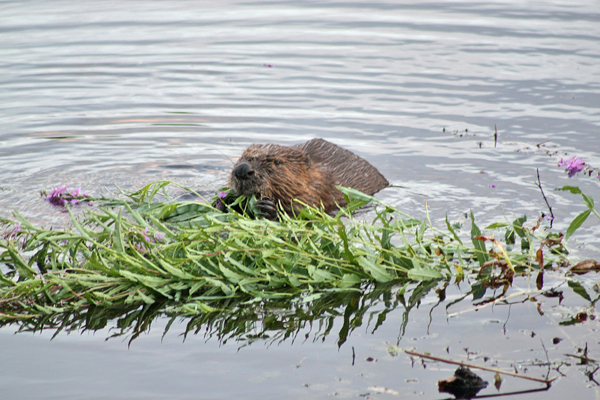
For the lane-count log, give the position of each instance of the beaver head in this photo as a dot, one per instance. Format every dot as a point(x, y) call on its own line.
point(282, 174)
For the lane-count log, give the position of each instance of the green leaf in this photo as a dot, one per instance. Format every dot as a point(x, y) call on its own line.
point(509, 236)
point(518, 225)
point(320, 275)
point(175, 271)
point(355, 194)
point(312, 297)
point(230, 275)
point(589, 202)
point(572, 189)
point(451, 230)
point(349, 280)
point(576, 223)
point(378, 272)
point(21, 266)
point(477, 290)
point(480, 250)
point(117, 235)
point(577, 288)
point(496, 225)
point(78, 226)
point(424, 274)
point(347, 253)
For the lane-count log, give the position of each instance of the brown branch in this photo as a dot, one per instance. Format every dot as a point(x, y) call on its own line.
point(465, 364)
point(539, 184)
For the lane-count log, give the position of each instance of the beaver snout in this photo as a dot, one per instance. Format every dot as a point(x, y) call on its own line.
point(243, 171)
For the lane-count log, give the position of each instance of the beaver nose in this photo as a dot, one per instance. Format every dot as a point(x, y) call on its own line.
point(243, 171)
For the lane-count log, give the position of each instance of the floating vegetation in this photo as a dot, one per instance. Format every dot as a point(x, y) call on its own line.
point(137, 255)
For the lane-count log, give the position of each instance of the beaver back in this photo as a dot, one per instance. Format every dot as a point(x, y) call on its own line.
point(349, 170)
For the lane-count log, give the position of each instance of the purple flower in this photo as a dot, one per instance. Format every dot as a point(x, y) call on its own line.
point(14, 232)
point(61, 196)
point(55, 196)
point(145, 234)
point(492, 185)
point(573, 165)
point(158, 236)
point(219, 205)
point(549, 218)
point(268, 65)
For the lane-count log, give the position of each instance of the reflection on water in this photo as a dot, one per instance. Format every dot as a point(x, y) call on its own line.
point(94, 94)
point(271, 320)
point(409, 310)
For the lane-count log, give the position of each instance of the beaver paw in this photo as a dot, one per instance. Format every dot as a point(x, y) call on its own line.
point(267, 209)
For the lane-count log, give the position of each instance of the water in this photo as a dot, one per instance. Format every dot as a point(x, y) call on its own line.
point(97, 94)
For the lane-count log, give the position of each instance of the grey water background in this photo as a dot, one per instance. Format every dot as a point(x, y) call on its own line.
point(97, 94)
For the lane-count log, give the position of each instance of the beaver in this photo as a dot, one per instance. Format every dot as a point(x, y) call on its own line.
point(306, 172)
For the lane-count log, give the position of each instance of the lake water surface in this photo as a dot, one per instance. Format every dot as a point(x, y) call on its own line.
point(101, 93)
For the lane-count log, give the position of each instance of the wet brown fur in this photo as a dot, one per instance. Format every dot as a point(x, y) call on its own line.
point(307, 172)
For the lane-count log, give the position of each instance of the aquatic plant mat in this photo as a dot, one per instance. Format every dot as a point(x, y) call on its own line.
point(191, 259)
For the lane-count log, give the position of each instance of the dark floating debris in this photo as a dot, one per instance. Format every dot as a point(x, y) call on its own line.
point(464, 384)
point(585, 266)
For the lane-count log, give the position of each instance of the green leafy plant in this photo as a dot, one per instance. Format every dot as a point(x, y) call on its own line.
point(192, 258)
point(581, 218)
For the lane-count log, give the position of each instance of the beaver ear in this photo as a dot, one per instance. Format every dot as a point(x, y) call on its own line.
point(308, 161)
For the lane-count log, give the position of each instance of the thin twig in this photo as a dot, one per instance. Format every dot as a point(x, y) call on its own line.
point(503, 298)
point(541, 143)
point(539, 184)
point(547, 358)
point(583, 359)
point(465, 364)
point(495, 135)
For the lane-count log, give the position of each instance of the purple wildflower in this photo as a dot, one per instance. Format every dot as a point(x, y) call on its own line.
point(573, 165)
point(549, 218)
point(55, 196)
point(492, 185)
point(14, 232)
point(219, 205)
point(159, 236)
point(61, 196)
point(145, 234)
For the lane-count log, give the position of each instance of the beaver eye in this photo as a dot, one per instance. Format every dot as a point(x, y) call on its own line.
point(269, 159)
point(250, 159)
point(278, 162)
